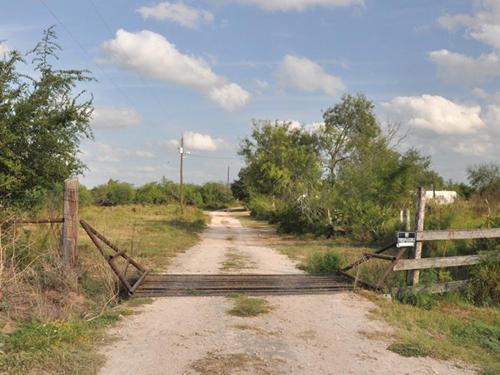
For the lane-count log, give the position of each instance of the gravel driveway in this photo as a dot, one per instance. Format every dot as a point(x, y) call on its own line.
point(310, 334)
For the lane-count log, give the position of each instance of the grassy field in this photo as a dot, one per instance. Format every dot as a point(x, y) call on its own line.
point(48, 326)
point(152, 235)
point(451, 329)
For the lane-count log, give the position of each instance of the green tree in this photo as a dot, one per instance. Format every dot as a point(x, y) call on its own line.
point(280, 160)
point(346, 176)
point(349, 126)
point(485, 178)
point(42, 121)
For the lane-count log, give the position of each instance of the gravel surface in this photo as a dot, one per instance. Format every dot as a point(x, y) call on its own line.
point(309, 334)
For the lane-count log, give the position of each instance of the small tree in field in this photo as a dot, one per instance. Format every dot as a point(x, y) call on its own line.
point(485, 178)
point(42, 121)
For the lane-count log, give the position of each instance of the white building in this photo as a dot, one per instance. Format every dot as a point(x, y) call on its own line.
point(441, 196)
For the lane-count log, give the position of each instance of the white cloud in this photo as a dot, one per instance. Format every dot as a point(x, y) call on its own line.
point(115, 117)
point(457, 68)
point(299, 5)
point(104, 152)
point(179, 13)
point(291, 124)
point(195, 141)
point(230, 96)
point(314, 127)
point(492, 118)
point(436, 114)
point(306, 75)
point(261, 84)
point(483, 25)
point(200, 142)
point(153, 55)
point(472, 148)
point(144, 154)
point(4, 49)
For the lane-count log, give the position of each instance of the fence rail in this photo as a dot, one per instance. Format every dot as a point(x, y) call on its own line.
point(437, 262)
point(459, 234)
point(41, 221)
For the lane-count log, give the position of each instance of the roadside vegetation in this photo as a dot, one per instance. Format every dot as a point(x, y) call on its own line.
point(52, 317)
point(336, 189)
point(462, 327)
point(210, 196)
point(245, 306)
point(450, 328)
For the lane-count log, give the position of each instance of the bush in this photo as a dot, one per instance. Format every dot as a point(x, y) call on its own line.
point(84, 196)
point(423, 300)
point(323, 263)
point(484, 288)
point(216, 195)
point(113, 193)
point(261, 206)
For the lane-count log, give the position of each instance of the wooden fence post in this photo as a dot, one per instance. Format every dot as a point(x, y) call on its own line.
point(414, 276)
point(70, 225)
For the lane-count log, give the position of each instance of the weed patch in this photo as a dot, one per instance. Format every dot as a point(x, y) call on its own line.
point(469, 333)
point(245, 306)
point(231, 363)
point(236, 261)
point(412, 349)
point(323, 263)
point(61, 347)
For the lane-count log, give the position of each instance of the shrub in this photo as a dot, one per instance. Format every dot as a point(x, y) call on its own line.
point(323, 263)
point(84, 196)
point(150, 193)
point(421, 299)
point(113, 193)
point(261, 206)
point(216, 195)
point(484, 288)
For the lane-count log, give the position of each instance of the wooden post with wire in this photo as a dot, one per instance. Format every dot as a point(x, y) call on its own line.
point(181, 174)
point(70, 224)
point(414, 276)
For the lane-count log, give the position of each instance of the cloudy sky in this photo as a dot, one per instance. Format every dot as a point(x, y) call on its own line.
point(205, 69)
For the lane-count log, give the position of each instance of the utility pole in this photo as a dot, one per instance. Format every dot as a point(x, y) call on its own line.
point(228, 176)
point(181, 176)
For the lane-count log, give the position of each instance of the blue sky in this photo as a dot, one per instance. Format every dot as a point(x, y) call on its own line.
point(207, 68)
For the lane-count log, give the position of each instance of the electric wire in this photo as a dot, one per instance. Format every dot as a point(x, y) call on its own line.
point(110, 31)
point(79, 45)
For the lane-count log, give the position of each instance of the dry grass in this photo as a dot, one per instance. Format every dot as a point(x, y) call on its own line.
point(235, 261)
point(232, 363)
point(51, 319)
point(153, 235)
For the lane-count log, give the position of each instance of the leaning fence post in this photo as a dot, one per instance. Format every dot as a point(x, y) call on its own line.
point(419, 226)
point(70, 225)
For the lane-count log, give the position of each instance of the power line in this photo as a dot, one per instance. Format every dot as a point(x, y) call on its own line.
point(213, 157)
point(110, 31)
point(75, 40)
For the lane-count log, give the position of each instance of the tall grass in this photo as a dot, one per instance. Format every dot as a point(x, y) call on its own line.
point(50, 317)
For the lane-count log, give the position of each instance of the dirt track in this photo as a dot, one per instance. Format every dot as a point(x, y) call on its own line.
point(312, 334)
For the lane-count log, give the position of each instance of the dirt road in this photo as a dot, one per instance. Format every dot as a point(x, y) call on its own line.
point(311, 334)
